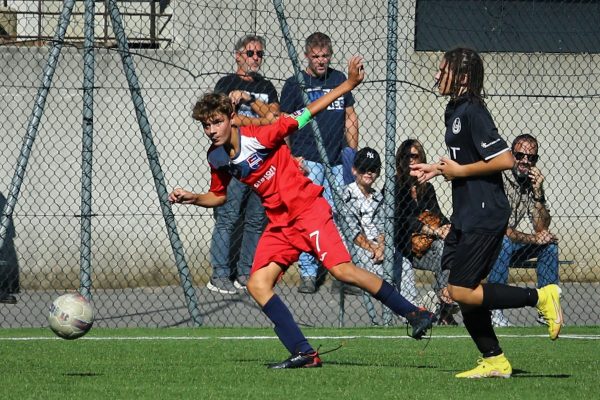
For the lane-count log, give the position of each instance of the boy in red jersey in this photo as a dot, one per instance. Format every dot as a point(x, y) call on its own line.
point(300, 219)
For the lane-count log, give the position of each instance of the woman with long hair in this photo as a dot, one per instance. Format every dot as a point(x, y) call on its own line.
point(413, 199)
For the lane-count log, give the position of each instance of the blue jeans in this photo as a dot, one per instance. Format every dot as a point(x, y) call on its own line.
point(316, 173)
point(241, 202)
point(432, 261)
point(404, 277)
point(512, 252)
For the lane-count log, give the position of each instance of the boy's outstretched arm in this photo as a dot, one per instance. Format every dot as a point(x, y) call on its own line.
point(356, 74)
point(207, 200)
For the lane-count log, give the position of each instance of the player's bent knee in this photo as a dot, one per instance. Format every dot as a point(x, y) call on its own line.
point(344, 272)
point(260, 291)
point(256, 286)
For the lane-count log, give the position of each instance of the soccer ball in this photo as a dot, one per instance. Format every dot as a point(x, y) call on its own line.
point(71, 316)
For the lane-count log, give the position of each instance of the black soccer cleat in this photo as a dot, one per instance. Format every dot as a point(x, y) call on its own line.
point(420, 320)
point(299, 360)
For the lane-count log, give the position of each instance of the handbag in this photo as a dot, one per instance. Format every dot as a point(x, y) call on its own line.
point(421, 242)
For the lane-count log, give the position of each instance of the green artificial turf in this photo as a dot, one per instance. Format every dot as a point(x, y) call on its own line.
point(208, 363)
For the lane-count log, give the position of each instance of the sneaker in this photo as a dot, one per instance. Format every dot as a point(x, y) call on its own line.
point(240, 282)
point(549, 307)
point(420, 320)
point(490, 367)
point(221, 285)
point(499, 320)
point(446, 314)
point(308, 285)
point(6, 298)
point(350, 290)
point(299, 360)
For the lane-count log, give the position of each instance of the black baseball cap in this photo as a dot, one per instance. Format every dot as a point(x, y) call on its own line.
point(367, 160)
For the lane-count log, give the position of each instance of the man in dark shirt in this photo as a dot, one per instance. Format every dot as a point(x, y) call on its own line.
point(256, 103)
point(338, 125)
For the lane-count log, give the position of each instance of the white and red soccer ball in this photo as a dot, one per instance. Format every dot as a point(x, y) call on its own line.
point(71, 316)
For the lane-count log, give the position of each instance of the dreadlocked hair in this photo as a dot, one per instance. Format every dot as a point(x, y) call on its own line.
point(464, 62)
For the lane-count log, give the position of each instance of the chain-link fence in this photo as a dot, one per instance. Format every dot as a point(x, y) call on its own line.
point(145, 268)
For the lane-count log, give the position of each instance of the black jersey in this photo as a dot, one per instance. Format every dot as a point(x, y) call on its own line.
point(260, 87)
point(479, 202)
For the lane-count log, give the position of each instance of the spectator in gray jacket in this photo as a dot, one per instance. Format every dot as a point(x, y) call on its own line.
point(364, 210)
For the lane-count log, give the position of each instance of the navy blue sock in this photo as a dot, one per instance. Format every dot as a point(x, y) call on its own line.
point(394, 300)
point(497, 296)
point(286, 328)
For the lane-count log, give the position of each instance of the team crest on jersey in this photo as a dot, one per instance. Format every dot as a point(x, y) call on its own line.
point(254, 161)
point(456, 126)
point(296, 113)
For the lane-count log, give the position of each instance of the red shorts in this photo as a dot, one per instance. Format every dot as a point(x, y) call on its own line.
point(313, 232)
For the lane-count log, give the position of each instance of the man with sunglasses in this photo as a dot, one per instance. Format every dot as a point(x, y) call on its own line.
point(256, 103)
point(338, 125)
point(524, 188)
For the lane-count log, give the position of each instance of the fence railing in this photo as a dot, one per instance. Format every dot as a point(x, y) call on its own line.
point(33, 23)
point(134, 273)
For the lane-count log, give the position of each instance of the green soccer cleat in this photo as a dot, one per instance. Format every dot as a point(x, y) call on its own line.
point(549, 308)
point(490, 367)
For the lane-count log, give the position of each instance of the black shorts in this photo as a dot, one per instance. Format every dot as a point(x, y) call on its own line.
point(470, 256)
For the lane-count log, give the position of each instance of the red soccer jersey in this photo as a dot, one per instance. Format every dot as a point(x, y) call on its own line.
point(265, 163)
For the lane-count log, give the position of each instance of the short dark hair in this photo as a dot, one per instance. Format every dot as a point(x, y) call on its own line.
point(465, 61)
point(525, 137)
point(211, 104)
point(317, 39)
point(241, 43)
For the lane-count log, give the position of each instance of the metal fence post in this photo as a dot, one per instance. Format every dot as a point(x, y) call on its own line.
point(157, 174)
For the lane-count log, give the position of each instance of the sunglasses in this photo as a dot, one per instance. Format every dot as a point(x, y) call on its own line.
point(413, 156)
point(531, 157)
point(250, 53)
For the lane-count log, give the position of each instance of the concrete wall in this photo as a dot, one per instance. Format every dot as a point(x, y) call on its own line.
point(130, 247)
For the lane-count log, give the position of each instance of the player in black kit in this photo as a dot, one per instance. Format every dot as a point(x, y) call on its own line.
point(480, 213)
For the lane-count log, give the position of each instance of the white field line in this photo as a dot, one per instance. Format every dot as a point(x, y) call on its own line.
point(375, 337)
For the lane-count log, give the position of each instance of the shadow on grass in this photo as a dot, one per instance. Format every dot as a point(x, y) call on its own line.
point(81, 374)
point(519, 373)
point(351, 364)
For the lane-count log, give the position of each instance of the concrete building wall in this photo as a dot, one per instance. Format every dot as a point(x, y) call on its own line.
point(130, 246)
